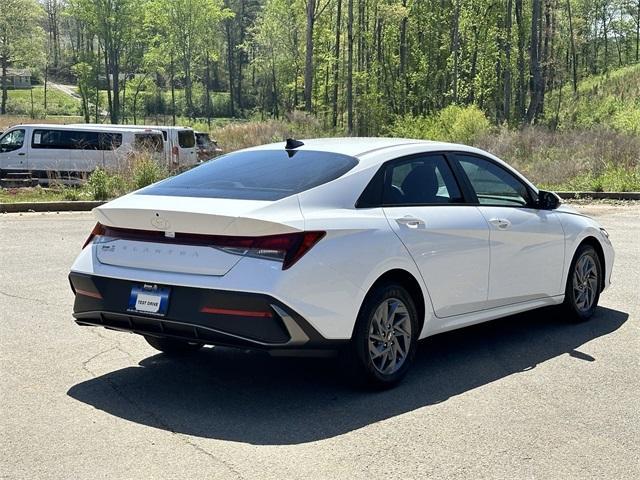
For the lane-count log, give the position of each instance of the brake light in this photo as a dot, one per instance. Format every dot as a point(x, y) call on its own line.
point(287, 248)
point(176, 153)
point(98, 230)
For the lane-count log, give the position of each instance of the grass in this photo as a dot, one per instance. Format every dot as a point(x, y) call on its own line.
point(610, 100)
point(38, 194)
point(58, 103)
point(577, 160)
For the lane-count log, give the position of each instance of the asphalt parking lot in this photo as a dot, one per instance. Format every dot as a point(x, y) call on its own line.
point(530, 396)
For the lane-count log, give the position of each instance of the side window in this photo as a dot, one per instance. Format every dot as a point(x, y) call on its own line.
point(13, 140)
point(420, 181)
point(493, 185)
point(52, 139)
point(110, 141)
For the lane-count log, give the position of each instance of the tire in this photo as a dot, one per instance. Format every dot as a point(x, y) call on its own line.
point(375, 346)
point(172, 346)
point(582, 291)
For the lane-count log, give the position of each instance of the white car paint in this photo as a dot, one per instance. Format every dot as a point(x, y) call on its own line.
point(469, 269)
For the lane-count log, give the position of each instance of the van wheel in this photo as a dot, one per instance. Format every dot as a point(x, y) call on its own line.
point(384, 342)
point(172, 346)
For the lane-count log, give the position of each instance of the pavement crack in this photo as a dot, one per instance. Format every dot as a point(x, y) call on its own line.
point(36, 300)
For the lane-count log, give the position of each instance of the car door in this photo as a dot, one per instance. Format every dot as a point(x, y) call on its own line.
point(14, 150)
point(448, 240)
point(527, 244)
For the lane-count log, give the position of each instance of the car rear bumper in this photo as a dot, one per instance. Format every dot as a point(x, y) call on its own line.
point(215, 317)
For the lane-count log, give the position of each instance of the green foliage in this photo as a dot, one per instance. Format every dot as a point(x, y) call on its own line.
point(100, 185)
point(58, 103)
point(452, 124)
point(609, 100)
point(147, 171)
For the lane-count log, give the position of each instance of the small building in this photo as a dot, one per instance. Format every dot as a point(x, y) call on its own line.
point(18, 78)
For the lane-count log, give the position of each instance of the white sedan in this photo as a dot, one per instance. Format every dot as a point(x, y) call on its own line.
point(354, 245)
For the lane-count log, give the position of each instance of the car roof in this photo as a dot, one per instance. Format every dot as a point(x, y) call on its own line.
point(363, 147)
point(353, 146)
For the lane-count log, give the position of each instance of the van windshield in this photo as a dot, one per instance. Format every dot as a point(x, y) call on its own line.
point(186, 138)
point(256, 175)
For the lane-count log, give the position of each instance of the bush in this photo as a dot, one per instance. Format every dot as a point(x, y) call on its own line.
point(235, 136)
point(452, 124)
point(146, 171)
point(100, 185)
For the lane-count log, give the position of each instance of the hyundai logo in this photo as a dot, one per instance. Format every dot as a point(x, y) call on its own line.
point(160, 223)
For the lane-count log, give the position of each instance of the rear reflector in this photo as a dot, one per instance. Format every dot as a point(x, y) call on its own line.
point(287, 248)
point(236, 313)
point(87, 293)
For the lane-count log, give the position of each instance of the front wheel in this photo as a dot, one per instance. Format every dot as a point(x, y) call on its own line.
point(583, 284)
point(172, 346)
point(385, 337)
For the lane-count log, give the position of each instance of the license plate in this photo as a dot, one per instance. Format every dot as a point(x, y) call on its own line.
point(149, 299)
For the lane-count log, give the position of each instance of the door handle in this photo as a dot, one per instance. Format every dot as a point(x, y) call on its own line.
point(410, 222)
point(22, 154)
point(500, 223)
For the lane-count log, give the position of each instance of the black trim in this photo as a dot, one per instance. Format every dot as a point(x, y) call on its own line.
point(106, 304)
point(375, 188)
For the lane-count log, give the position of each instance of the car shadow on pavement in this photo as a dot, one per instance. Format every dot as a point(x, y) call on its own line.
point(254, 398)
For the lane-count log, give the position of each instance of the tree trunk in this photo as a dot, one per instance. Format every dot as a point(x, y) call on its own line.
point(506, 78)
point(350, 67)
point(536, 81)
point(308, 61)
point(455, 43)
point(574, 57)
point(336, 67)
point(521, 90)
point(230, 65)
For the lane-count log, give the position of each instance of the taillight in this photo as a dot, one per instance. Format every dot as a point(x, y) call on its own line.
point(176, 153)
point(287, 248)
point(97, 230)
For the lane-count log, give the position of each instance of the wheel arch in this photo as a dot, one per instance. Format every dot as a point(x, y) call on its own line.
point(408, 281)
point(597, 246)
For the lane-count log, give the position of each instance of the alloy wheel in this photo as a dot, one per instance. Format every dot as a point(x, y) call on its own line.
point(389, 336)
point(585, 283)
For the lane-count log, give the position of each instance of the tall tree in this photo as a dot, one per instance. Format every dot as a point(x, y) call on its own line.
point(21, 39)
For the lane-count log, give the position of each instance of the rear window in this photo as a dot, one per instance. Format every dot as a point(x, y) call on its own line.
point(186, 138)
point(256, 175)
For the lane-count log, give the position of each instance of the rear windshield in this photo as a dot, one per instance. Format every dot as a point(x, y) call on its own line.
point(186, 138)
point(256, 175)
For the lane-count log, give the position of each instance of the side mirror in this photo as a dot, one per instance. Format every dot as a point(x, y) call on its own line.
point(548, 200)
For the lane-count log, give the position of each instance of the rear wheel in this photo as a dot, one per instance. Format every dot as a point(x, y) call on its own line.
point(385, 337)
point(172, 346)
point(583, 284)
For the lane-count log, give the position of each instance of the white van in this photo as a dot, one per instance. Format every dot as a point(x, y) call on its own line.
point(71, 152)
point(180, 142)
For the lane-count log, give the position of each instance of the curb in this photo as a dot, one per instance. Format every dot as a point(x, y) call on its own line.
point(69, 206)
point(600, 195)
